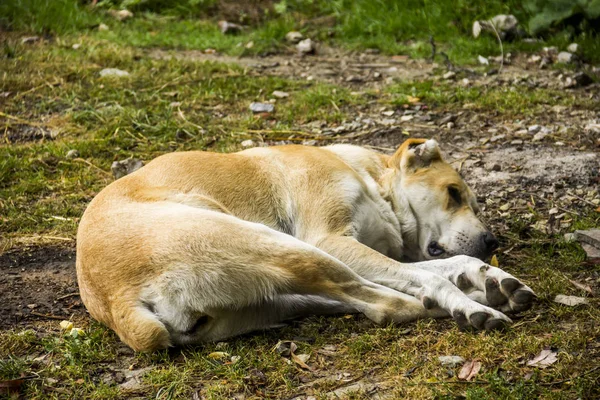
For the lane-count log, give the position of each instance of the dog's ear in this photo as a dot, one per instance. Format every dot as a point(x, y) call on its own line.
point(415, 154)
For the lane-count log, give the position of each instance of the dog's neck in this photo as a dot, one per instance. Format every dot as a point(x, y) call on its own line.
point(409, 227)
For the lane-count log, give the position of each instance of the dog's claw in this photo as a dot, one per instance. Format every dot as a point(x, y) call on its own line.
point(479, 319)
point(495, 324)
point(493, 294)
point(462, 321)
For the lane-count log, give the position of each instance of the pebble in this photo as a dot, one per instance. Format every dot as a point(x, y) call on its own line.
point(450, 125)
point(482, 60)
point(113, 72)
point(294, 37)
point(449, 75)
point(248, 143)
point(534, 129)
point(572, 48)
point(72, 154)
point(516, 142)
point(262, 107)
point(565, 57)
point(103, 27)
point(76, 46)
point(121, 15)
point(125, 167)
point(451, 361)
point(280, 95)
point(30, 39)
point(306, 46)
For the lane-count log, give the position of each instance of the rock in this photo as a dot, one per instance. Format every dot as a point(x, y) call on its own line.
point(449, 75)
point(72, 154)
point(121, 15)
point(306, 46)
point(294, 37)
point(516, 142)
point(248, 143)
point(76, 46)
point(103, 27)
point(506, 26)
point(30, 39)
point(482, 60)
point(570, 300)
point(125, 167)
point(451, 361)
point(280, 95)
point(229, 28)
point(591, 237)
point(534, 129)
point(113, 72)
point(582, 79)
point(538, 137)
point(572, 48)
point(570, 237)
point(262, 107)
point(565, 57)
point(534, 59)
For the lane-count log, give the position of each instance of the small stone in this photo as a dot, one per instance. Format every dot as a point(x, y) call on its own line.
point(570, 237)
point(249, 45)
point(306, 46)
point(516, 142)
point(591, 237)
point(406, 118)
point(280, 95)
point(294, 37)
point(353, 78)
point(534, 129)
point(76, 46)
point(388, 113)
point(121, 15)
point(125, 167)
point(565, 57)
point(72, 154)
point(572, 48)
point(449, 75)
point(113, 72)
point(538, 137)
point(30, 39)
point(229, 28)
point(450, 125)
point(103, 27)
point(262, 107)
point(451, 361)
point(248, 143)
point(482, 60)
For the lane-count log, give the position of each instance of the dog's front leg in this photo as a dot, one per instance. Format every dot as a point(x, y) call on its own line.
point(433, 289)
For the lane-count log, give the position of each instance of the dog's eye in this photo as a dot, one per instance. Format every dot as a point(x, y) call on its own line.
point(455, 194)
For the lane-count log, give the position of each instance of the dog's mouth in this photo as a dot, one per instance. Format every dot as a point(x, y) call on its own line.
point(434, 249)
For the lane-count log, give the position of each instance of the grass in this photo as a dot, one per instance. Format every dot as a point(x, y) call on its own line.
point(179, 104)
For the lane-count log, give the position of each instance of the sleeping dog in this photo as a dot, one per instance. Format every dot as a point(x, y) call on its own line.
point(200, 246)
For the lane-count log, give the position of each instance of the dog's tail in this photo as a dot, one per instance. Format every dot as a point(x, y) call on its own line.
point(139, 327)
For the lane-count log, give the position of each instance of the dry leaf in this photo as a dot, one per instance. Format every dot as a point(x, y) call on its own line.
point(413, 100)
point(476, 29)
point(301, 360)
point(469, 370)
point(494, 261)
point(571, 301)
point(218, 355)
point(583, 287)
point(546, 358)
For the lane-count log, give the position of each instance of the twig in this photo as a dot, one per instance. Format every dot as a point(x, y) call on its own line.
point(433, 48)
point(501, 47)
point(91, 165)
point(66, 296)
point(50, 316)
point(20, 120)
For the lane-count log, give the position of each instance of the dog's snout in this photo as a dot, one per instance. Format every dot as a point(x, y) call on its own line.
point(490, 241)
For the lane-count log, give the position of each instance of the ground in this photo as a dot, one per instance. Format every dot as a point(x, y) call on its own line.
point(523, 138)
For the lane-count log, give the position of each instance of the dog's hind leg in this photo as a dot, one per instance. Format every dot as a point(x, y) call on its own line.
point(217, 265)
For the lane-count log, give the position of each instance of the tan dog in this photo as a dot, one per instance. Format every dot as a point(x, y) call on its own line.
point(200, 246)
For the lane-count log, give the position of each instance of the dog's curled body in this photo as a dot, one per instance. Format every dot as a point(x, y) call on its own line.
point(199, 246)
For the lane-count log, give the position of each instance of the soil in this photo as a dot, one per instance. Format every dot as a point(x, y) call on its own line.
point(38, 283)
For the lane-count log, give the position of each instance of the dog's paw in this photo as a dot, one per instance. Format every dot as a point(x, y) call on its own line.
point(480, 318)
point(498, 289)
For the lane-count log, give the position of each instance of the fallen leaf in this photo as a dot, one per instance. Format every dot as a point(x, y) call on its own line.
point(571, 301)
point(301, 360)
point(217, 355)
point(469, 370)
point(413, 100)
point(451, 361)
point(583, 287)
point(546, 358)
point(12, 386)
point(494, 261)
point(285, 347)
point(66, 326)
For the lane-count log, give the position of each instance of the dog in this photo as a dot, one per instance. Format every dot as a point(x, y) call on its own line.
point(198, 246)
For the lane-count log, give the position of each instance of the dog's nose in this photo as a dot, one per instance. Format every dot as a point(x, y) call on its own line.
point(490, 241)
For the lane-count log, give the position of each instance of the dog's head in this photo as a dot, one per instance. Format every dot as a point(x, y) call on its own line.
point(433, 194)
